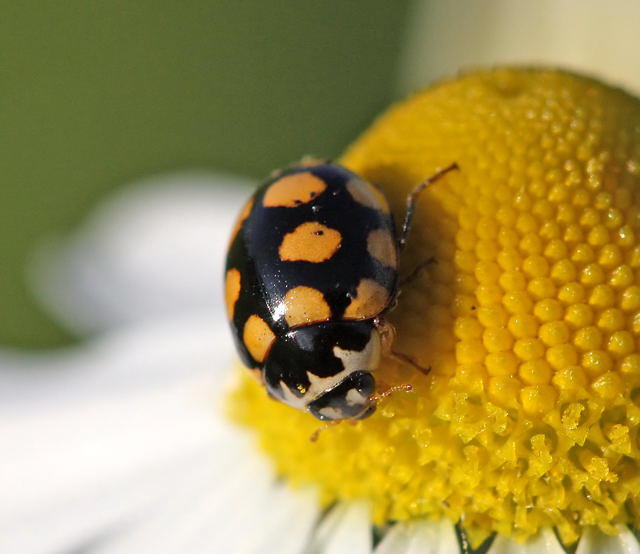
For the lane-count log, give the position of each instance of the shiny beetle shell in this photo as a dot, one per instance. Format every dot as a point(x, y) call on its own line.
point(311, 264)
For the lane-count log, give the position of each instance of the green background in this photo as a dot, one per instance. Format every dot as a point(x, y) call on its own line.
point(94, 94)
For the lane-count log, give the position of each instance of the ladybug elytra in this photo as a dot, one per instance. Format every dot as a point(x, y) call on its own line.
point(311, 270)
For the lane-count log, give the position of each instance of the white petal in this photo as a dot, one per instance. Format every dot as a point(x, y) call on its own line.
point(346, 529)
point(594, 541)
point(545, 542)
point(420, 537)
point(286, 526)
point(154, 250)
point(95, 511)
point(198, 519)
point(446, 36)
point(119, 447)
point(126, 362)
point(93, 438)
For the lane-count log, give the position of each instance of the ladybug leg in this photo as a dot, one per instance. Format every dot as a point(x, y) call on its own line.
point(417, 270)
point(310, 161)
point(257, 374)
point(413, 198)
point(328, 425)
point(408, 360)
point(306, 161)
point(387, 334)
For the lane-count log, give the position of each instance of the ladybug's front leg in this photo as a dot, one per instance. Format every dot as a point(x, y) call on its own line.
point(412, 199)
point(416, 271)
point(387, 334)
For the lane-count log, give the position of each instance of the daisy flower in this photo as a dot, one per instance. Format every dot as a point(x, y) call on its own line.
point(522, 438)
point(525, 428)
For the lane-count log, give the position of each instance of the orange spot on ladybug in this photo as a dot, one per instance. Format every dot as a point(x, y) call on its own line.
point(244, 214)
point(232, 288)
point(367, 195)
point(305, 305)
point(293, 190)
point(310, 242)
point(371, 298)
point(382, 247)
point(257, 337)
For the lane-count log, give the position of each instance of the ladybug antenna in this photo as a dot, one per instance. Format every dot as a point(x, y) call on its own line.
point(379, 396)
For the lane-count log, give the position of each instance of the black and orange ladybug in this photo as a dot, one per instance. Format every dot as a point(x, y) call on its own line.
point(311, 270)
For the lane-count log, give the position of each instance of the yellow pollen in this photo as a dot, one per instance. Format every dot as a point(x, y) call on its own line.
point(530, 320)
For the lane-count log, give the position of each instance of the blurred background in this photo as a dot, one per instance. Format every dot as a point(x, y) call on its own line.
point(98, 94)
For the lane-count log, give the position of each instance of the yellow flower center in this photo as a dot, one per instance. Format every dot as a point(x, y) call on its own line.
point(530, 319)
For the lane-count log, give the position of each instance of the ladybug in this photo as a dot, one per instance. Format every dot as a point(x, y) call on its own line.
point(311, 270)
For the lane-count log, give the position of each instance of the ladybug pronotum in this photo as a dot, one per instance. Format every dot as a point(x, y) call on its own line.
point(311, 270)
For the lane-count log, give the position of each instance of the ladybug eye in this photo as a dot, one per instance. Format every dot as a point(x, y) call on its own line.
point(351, 399)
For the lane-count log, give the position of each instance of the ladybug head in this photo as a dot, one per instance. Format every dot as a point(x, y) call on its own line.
point(351, 399)
point(325, 369)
